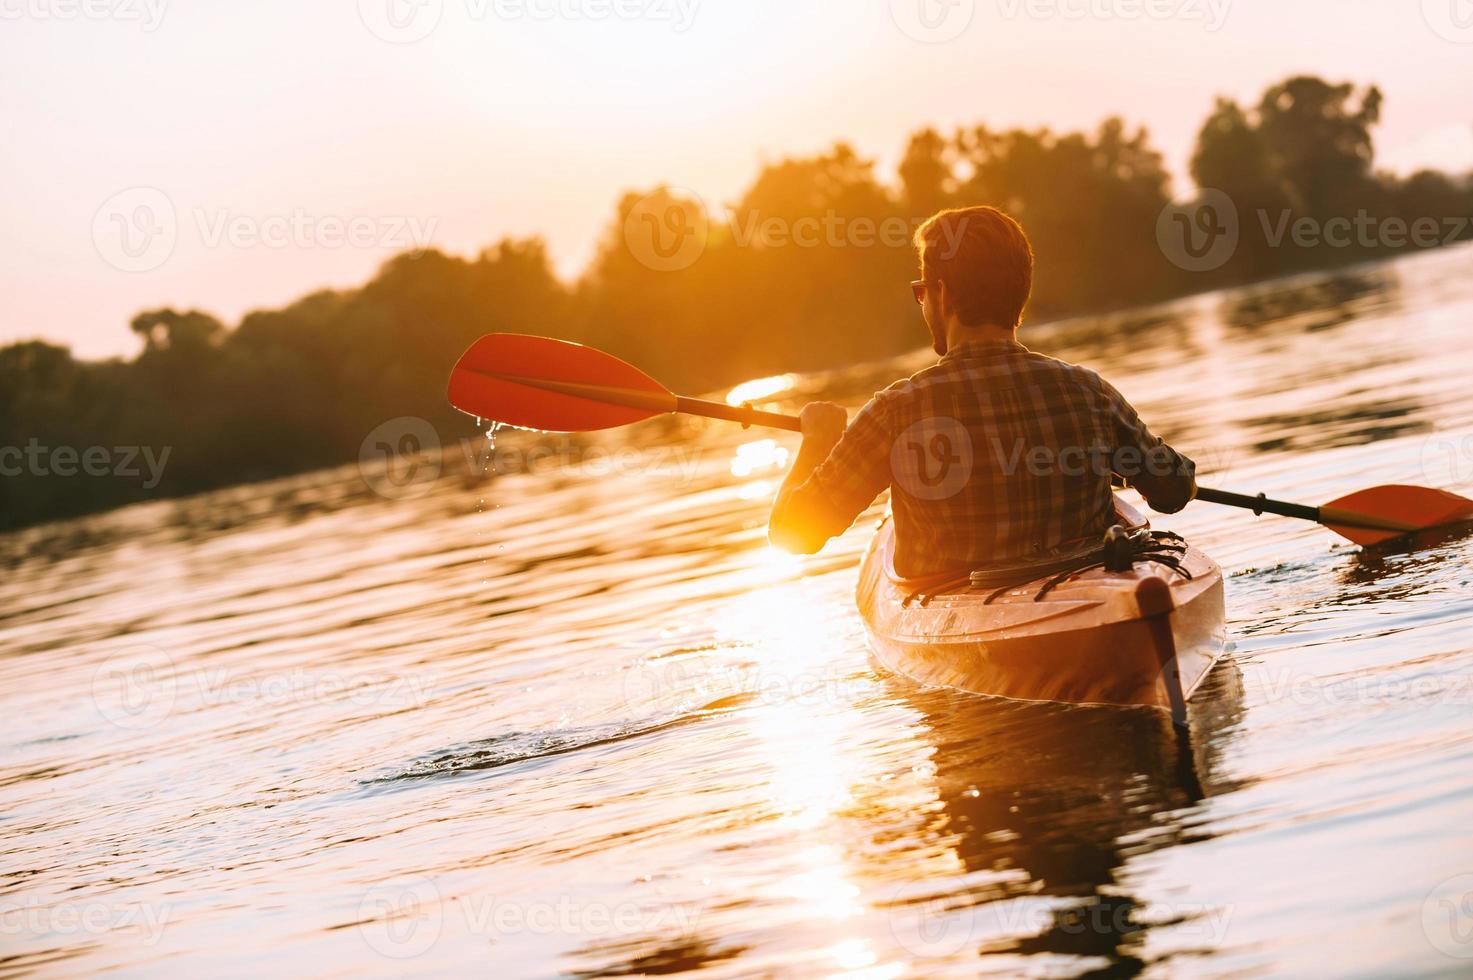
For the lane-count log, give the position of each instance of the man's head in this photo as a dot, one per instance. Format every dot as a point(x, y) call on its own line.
point(977, 267)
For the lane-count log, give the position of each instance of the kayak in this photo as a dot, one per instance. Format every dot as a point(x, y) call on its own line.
point(1147, 636)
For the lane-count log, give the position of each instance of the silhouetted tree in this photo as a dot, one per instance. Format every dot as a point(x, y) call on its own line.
point(1319, 139)
point(928, 174)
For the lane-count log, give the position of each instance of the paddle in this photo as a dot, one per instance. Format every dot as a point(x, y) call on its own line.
point(557, 386)
point(1367, 516)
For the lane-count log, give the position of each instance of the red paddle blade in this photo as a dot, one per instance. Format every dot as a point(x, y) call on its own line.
point(1404, 509)
point(553, 385)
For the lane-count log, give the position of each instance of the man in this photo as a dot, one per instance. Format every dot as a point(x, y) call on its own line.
point(995, 455)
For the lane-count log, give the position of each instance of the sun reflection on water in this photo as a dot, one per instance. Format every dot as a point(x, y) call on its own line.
point(809, 724)
point(759, 388)
point(760, 455)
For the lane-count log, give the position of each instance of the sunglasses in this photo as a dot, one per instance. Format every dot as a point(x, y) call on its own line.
point(918, 289)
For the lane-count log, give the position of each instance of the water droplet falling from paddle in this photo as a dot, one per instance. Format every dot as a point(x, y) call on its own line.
point(488, 468)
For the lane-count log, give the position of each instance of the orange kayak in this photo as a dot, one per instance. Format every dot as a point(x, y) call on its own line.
point(1147, 636)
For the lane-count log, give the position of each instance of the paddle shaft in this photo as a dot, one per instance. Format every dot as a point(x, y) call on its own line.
point(1259, 504)
point(656, 402)
point(745, 414)
point(1320, 515)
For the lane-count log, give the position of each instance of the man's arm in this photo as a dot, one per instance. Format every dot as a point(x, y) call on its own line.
point(802, 526)
point(1165, 477)
point(838, 473)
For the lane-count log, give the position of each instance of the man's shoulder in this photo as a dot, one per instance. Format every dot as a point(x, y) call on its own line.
point(1019, 365)
point(1080, 373)
point(1025, 367)
point(901, 391)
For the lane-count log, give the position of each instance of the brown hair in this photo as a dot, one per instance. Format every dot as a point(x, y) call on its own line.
point(984, 258)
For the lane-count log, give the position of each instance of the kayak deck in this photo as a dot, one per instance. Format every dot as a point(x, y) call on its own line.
point(1148, 636)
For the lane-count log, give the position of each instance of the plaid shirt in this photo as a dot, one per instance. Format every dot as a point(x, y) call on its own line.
point(995, 455)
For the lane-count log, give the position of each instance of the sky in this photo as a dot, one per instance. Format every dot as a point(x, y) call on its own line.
point(231, 156)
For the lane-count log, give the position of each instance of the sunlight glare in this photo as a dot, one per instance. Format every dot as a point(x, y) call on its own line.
point(758, 389)
point(756, 490)
point(760, 455)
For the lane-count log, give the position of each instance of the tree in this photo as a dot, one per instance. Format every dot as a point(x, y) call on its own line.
point(183, 334)
point(927, 176)
point(1233, 156)
point(1319, 138)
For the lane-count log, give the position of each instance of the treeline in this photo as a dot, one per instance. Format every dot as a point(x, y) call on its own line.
point(808, 269)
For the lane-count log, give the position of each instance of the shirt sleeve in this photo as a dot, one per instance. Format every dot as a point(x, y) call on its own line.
point(1165, 477)
point(856, 471)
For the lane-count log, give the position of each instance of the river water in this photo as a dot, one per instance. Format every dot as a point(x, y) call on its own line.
point(575, 718)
